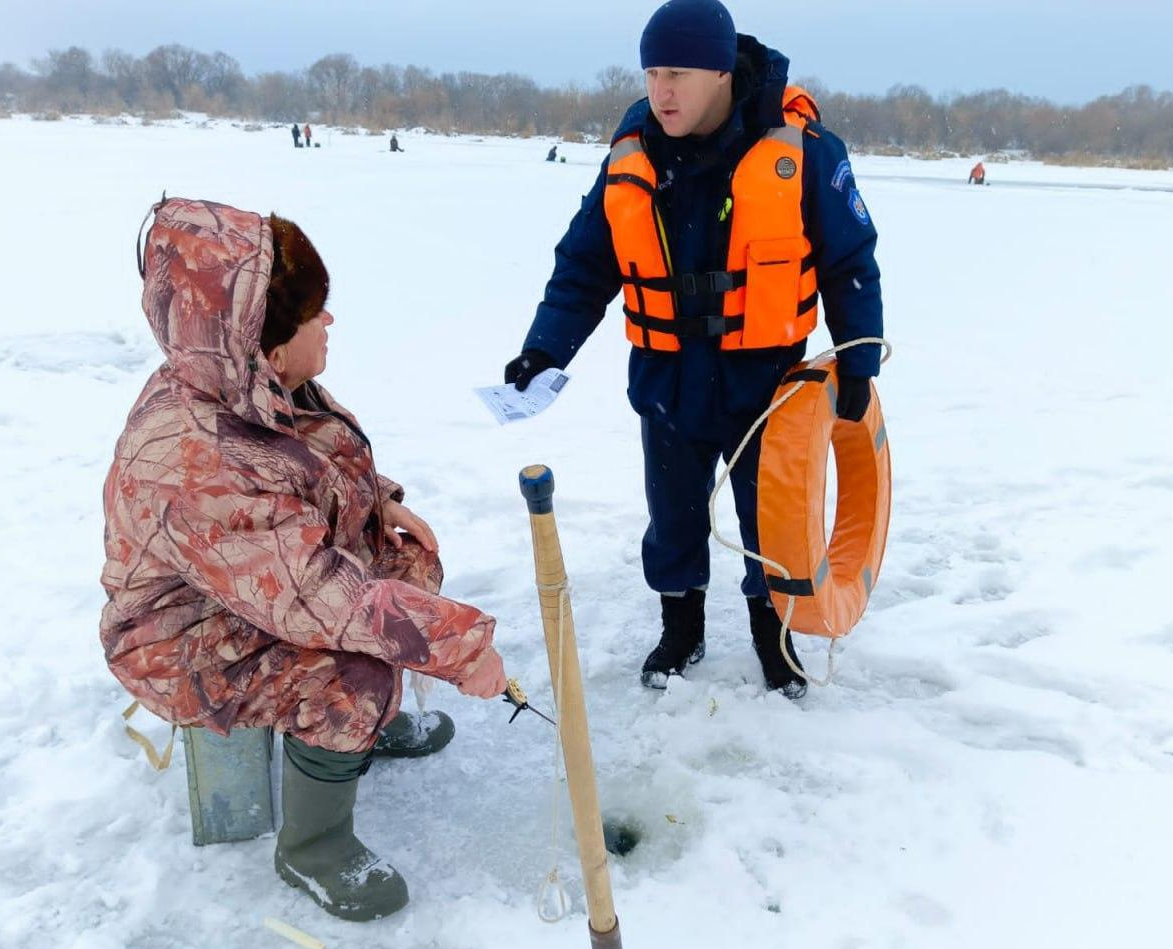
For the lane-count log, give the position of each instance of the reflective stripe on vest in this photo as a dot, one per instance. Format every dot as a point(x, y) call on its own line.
point(769, 290)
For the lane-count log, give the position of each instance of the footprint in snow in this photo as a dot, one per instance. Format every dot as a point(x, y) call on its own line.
point(1016, 630)
point(1163, 481)
point(991, 732)
point(894, 591)
point(73, 353)
point(990, 585)
point(924, 910)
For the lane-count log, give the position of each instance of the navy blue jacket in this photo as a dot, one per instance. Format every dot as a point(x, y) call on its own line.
point(702, 389)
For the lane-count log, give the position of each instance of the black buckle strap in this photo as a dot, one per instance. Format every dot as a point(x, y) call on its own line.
point(653, 323)
point(639, 298)
point(688, 327)
point(790, 587)
point(714, 324)
point(805, 375)
point(690, 284)
point(714, 281)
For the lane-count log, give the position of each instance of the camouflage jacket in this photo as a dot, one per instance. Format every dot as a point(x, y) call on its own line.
point(239, 519)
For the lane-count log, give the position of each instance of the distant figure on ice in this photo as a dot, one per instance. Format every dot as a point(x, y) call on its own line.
point(296, 135)
point(395, 144)
point(977, 174)
point(712, 325)
point(260, 572)
point(308, 135)
point(552, 154)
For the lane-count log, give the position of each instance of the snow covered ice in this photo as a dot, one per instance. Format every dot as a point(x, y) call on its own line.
point(992, 767)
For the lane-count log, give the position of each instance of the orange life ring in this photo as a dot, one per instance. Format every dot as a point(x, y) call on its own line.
point(830, 583)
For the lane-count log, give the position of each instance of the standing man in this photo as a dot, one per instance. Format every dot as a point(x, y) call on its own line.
point(724, 211)
point(296, 135)
point(977, 174)
point(309, 134)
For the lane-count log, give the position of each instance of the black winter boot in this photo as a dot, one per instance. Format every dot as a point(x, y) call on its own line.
point(766, 626)
point(683, 641)
point(317, 850)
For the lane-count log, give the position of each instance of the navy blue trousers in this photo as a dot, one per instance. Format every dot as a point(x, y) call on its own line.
point(679, 473)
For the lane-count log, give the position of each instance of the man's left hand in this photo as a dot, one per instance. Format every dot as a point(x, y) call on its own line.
point(855, 392)
point(395, 515)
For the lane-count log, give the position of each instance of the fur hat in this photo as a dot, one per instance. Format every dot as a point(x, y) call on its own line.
point(298, 284)
point(691, 34)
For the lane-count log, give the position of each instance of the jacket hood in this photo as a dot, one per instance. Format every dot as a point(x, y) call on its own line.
point(767, 66)
point(759, 78)
point(206, 273)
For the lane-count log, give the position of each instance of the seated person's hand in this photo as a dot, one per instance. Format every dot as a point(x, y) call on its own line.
point(486, 679)
point(395, 515)
point(521, 370)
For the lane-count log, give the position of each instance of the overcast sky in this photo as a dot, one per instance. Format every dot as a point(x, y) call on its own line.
point(1069, 52)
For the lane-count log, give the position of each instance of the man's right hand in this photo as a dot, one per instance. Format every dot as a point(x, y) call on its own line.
point(521, 371)
point(486, 679)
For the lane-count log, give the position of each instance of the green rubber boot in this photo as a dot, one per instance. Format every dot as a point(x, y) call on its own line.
point(415, 736)
point(316, 848)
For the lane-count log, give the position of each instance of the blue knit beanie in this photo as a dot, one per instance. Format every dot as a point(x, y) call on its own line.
point(691, 34)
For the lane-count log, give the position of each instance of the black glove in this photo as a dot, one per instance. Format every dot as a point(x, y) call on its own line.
point(855, 392)
point(521, 371)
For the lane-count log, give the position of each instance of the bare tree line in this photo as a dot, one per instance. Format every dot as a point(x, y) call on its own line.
point(1133, 126)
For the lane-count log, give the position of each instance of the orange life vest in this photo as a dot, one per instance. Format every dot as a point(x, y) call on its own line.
point(769, 289)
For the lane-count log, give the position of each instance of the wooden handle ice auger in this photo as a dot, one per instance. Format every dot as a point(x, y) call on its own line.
point(537, 487)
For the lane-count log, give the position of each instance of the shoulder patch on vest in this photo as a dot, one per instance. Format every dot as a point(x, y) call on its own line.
point(842, 173)
point(858, 208)
point(785, 167)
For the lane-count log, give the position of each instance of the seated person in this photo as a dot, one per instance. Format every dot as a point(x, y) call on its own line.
point(260, 573)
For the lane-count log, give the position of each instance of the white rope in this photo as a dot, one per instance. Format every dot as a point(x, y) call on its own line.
point(551, 882)
point(160, 760)
point(282, 928)
point(737, 548)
